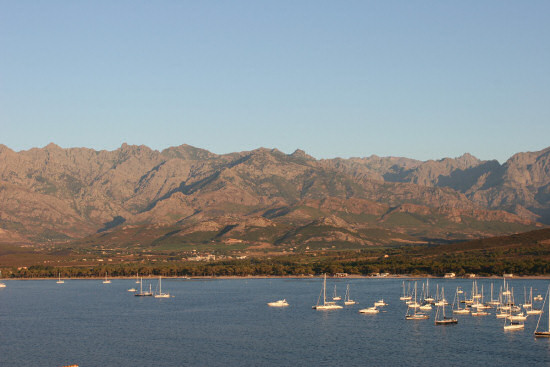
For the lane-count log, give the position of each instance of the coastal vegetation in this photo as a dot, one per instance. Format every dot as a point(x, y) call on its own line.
point(520, 254)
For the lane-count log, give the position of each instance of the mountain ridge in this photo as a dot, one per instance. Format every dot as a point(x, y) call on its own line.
point(53, 194)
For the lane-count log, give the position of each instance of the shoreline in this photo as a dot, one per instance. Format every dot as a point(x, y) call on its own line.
point(226, 277)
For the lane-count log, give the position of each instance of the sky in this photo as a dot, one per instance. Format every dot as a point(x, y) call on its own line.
point(421, 79)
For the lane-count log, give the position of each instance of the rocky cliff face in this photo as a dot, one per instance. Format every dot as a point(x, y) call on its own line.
point(55, 194)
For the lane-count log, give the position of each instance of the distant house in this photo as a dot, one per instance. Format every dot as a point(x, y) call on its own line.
point(509, 275)
point(341, 275)
point(472, 275)
point(449, 275)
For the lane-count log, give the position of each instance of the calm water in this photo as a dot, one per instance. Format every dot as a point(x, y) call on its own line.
point(227, 323)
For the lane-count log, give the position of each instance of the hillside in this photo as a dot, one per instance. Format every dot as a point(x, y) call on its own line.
point(184, 196)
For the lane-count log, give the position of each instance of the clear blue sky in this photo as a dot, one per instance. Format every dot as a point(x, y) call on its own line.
point(422, 79)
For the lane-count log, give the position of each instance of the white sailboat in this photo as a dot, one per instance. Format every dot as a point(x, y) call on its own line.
point(493, 302)
point(527, 302)
point(327, 305)
point(59, 281)
point(2, 285)
point(513, 322)
point(544, 333)
point(427, 297)
point(106, 281)
point(415, 315)
point(406, 295)
point(458, 310)
point(444, 320)
point(137, 278)
point(336, 297)
point(347, 300)
point(160, 294)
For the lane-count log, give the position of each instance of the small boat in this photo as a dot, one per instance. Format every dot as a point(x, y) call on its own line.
point(59, 280)
point(160, 294)
point(518, 317)
point(347, 300)
point(106, 281)
point(502, 315)
point(336, 297)
point(533, 311)
point(279, 303)
point(544, 333)
point(417, 316)
point(326, 304)
point(514, 326)
point(2, 285)
point(132, 290)
point(426, 307)
point(538, 297)
point(479, 313)
point(380, 303)
point(369, 310)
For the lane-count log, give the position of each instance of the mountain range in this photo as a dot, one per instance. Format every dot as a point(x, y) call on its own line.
point(186, 196)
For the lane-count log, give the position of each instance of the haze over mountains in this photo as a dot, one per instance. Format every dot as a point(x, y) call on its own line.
point(183, 195)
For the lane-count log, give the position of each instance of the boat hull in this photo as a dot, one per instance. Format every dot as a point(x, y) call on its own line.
point(327, 308)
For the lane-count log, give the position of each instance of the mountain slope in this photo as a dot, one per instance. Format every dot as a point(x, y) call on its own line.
point(54, 194)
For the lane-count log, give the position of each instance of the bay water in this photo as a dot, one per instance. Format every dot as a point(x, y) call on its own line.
point(226, 322)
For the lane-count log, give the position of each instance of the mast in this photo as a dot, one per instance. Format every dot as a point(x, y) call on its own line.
point(325, 290)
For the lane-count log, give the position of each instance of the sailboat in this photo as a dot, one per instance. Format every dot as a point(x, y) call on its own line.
point(427, 297)
point(335, 297)
point(160, 294)
point(2, 285)
point(493, 302)
point(137, 278)
point(527, 303)
point(513, 322)
point(458, 310)
point(415, 315)
point(542, 333)
point(405, 296)
point(347, 300)
point(480, 306)
point(59, 281)
point(106, 281)
point(142, 293)
point(327, 305)
point(531, 310)
point(444, 320)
